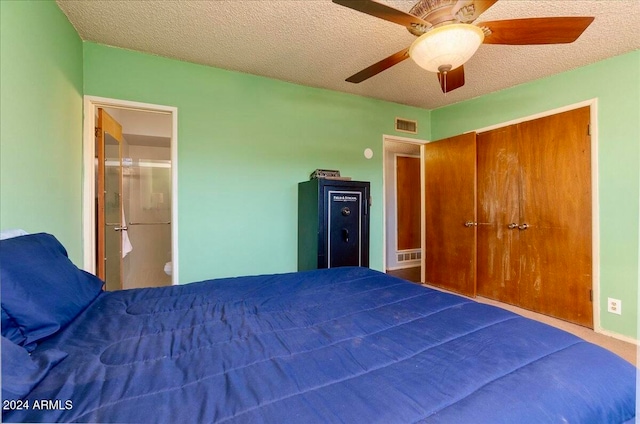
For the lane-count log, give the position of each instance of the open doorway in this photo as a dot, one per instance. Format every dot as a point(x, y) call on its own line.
point(145, 224)
point(403, 207)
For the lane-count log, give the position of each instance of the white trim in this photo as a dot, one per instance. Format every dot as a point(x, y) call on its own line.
point(412, 264)
point(423, 216)
point(595, 218)
point(88, 177)
point(536, 116)
point(395, 138)
point(401, 139)
point(595, 195)
point(619, 337)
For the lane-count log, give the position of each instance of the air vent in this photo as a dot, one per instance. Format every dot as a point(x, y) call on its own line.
point(406, 125)
point(409, 256)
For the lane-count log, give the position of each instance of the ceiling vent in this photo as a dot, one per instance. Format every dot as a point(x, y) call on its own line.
point(406, 125)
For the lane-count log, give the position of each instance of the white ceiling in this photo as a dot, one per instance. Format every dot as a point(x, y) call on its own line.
point(318, 43)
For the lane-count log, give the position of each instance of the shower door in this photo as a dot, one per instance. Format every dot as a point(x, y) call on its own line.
point(109, 201)
point(148, 195)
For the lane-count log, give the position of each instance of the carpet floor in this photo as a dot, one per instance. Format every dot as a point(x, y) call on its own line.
point(626, 350)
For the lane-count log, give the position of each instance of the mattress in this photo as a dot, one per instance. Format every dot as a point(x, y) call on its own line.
point(347, 345)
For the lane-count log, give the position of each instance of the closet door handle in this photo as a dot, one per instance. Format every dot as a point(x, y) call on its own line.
point(523, 226)
point(470, 224)
point(125, 228)
point(512, 226)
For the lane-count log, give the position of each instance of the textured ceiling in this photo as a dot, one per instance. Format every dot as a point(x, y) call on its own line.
point(318, 43)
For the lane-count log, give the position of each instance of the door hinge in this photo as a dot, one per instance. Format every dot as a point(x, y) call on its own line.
point(590, 295)
point(588, 129)
point(97, 132)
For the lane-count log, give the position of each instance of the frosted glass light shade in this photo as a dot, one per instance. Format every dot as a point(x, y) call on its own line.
point(449, 45)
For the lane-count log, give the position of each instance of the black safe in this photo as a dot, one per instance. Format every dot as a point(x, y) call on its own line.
point(333, 223)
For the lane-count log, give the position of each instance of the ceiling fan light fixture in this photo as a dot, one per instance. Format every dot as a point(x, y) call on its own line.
point(449, 46)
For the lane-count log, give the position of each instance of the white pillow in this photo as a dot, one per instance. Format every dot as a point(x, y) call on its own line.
point(14, 232)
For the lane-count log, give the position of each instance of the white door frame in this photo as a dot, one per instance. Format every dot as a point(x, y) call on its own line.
point(388, 138)
point(89, 180)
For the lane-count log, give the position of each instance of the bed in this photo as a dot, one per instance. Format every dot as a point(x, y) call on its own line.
point(347, 345)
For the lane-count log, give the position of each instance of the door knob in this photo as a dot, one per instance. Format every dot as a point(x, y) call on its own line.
point(523, 226)
point(470, 224)
point(512, 226)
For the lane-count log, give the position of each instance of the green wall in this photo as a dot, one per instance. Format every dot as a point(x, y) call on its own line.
point(244, 143)
point(41, 116)
point(616, 85)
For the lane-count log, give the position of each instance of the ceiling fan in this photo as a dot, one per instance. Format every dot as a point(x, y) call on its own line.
point(448, 36)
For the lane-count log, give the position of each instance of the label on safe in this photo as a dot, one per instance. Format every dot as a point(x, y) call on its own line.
point(343, 198)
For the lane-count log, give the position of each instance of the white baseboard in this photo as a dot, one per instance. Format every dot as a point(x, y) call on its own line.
point(404, 265)
point(618, 336)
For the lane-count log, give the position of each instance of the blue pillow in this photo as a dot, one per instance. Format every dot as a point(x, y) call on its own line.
point(11, 330)
point(42, 290)
point(21, 371)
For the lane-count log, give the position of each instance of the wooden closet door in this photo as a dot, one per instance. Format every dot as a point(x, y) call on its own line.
point(450, 202)
point(555, 205)
point(498, 215)
point(408, 202)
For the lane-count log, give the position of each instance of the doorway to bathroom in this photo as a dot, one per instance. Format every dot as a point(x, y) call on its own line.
point(130, 198)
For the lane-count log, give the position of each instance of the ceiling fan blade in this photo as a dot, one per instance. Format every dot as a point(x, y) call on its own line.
point(477, 8)
point(452, 79)
point(378, 67)
point(536, 30)
point(385, 12)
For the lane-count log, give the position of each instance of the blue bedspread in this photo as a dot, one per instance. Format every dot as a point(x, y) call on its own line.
point(341, 345)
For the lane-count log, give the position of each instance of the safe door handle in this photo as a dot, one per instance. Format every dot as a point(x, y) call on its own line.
point(345, 235)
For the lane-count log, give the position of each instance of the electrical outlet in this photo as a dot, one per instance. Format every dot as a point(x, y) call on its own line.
point(614, 306)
